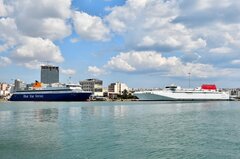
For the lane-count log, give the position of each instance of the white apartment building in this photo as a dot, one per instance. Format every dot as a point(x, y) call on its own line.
point(117, 88)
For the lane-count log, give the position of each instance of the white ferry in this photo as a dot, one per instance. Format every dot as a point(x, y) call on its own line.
point(175, 93)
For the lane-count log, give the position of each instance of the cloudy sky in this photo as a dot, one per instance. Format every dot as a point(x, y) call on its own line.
point(144, 43)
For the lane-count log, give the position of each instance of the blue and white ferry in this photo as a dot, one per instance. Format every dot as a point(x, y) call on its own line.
point(56, 92)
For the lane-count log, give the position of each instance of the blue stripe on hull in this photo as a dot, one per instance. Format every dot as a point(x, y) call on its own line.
point(82, 96)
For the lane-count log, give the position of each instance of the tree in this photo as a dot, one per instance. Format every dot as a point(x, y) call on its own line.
point(125, 94)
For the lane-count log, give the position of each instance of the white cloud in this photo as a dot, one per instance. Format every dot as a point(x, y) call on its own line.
point(225, 44)
point(90, 27)
point(199, 12)
point(221, 50)
point(198, 70)
point(208, 4)
point(179, 26)
point(4, 61)
point(209, 18)
point(137, 3)
point(231, 34)
point(68, 71)
point(123, 17)
point(236, 62)
point(43, 18)
point(151, 61)
point(5, 9)
point(96, 71)
point(149, 25)
point(139, 61)
point(42, 8)
point(33, 64)
point(28, 30)
point(116, 63)
point(37, 50)
point(53, 28)
point(74, 40)
point(27, 51)
point(8, 33)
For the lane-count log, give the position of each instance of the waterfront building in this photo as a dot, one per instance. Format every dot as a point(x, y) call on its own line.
point(117, 88)
point(3, 86)
point(93, 85)
point(19, 85)
point(4, 89)
point(235, 92)
point(105, 92)
point(238, 94)
point(49, 74)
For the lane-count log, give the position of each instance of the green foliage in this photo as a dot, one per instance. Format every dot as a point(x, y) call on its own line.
point(126, 95)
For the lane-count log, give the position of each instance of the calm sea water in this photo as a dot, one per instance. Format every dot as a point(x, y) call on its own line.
point(119, 130)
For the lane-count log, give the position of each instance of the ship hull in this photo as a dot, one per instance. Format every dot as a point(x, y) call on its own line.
point(180, 96)
point(64, 96)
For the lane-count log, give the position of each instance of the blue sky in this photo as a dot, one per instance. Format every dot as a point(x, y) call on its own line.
point(143, 43)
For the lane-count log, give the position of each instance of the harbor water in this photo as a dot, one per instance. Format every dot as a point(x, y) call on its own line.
point(121, 130)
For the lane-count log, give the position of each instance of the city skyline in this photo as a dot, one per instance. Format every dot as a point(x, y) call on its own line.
point(143, 43)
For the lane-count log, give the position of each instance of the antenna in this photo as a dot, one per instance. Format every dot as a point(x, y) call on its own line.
point(69, 79)
point(47, 62)
point(189, 79)
point(190, 70)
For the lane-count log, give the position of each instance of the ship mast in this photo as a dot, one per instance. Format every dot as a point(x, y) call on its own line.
point(69, 79)
point(189, 79)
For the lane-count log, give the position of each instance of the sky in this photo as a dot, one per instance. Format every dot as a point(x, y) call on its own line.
point(143, 43)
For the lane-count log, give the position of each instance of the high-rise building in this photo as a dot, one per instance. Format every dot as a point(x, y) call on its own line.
point(93, 85)
point(49, 74)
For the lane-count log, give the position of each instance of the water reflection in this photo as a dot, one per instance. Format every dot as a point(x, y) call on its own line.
point(5, 115)
point(46, 115)
point(74, 111)
point(99, 111)
point(120, 111)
